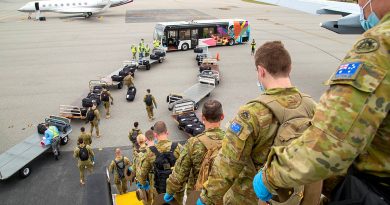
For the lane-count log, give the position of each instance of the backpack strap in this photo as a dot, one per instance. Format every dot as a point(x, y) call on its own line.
point(173, 146)
point(154, 150)
point(208, 142)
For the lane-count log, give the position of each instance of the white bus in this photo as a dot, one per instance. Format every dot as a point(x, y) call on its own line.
point(184, 35)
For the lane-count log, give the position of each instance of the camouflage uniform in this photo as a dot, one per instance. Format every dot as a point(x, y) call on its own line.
point(121, 183)
point(107, 104)
point(139, 156)
point(128, 80)
point(245, 149)
point(95, 122)
point(87, 139)
point(189, 162)
point(83, 165)
point(351, 124)
point(149, 109)
point(150, 158)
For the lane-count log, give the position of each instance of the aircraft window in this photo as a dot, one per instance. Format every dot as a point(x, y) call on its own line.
point(55, 5)
point(62, 4)
point(80, 4)
point(74, 4)
point(85, 3)
point(67, 4)
point(44, 5)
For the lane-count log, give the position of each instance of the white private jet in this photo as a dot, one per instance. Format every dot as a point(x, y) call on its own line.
point(85, 7)
point(349, 23)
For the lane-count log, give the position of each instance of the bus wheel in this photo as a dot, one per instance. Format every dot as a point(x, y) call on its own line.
point(184, 47)
point(231, 42)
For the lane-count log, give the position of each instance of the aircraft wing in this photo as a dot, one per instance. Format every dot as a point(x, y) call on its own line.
point(93, 10)
point(349, 23)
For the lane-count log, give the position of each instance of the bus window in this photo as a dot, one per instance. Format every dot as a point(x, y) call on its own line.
point(194, 34)
point(208, 32)
point(184, 34)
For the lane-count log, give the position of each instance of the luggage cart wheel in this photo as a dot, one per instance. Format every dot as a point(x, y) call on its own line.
point(120, 85)
point(148, 67)
point(65, 140)
point(25, 172)
point(160, 60)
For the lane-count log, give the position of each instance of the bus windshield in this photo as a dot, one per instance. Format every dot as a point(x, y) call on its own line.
point(158, 32)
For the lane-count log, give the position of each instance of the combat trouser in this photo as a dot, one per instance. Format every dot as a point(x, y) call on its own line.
point(107, 108)
point(121, 184)
point(85, 165)
point(95, 124)
point(55, 146)
point(149, 110)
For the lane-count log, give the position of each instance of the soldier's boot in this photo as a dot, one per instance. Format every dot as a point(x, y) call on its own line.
point(97, 132)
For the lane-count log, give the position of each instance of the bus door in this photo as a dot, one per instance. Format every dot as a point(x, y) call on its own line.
point(172, 40)
point(194, 37)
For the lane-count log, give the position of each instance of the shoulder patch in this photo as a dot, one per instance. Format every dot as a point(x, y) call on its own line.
point(236, 128)
point(245, 115)
point(366, 45)
point(347, 71)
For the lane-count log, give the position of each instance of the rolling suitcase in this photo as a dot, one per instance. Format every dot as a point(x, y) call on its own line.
point(131, 93)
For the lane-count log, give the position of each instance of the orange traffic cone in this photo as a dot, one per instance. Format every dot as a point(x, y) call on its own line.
point(217, 57)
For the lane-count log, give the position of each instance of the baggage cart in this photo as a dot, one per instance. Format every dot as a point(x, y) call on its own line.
point(17, 158)
point(73, 112)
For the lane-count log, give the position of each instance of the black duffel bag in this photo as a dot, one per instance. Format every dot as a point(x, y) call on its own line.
point(154, 57)
point(198, 50)
point(131, 93)
point(159, 53)
point(41, 128)
point(187, 115)
point(117, 78)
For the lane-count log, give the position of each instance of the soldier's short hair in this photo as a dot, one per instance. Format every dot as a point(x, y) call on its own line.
point(160, 128)
point(148, 90)
point(82, 129)
point(274, 58)
point(135, 124)
point(212, 110)
point(149, 135)
point(80, 141)
point(141, 139)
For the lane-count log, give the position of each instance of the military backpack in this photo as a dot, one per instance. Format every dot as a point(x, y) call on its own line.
point(163, 167)
point(292, 122)
point(213, 146)
point(83, 153)
point(90, 115)
point(149, 100)
point(105, 96)
point(120, 167)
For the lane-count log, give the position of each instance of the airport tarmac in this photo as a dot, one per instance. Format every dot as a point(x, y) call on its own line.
point(46, 64)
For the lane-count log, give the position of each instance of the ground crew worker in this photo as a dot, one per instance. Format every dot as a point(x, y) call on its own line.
point(253, 47)
point(134, 132)
point(141, 50)
point(52, 135)
point(350, 129)
point(252, 132)
point(150, 102)
point(147, 50)
point(139, 156)
point(128, 80)
point(107, 100)
point(87, 139)
point(85, 157)
point(156, 44)
point(187, 167)
point(118, 168)
point(154, 153)
point(134, 51)
point(96, 119)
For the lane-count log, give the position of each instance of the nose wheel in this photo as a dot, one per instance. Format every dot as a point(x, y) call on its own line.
point(89, 14)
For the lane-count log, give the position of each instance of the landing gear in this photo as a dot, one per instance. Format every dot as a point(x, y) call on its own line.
point(87, 15)
point(29, 16)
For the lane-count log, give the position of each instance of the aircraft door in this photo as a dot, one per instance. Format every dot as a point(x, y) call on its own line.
point(37, 6)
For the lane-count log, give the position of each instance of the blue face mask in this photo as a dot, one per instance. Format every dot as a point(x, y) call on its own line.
point(261, 87)
point(372, 19)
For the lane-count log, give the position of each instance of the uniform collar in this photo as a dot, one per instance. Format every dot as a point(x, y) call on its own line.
point(385, 18)
point(276, 91)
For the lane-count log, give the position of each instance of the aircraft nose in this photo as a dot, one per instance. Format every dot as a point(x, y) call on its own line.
point(23, 8)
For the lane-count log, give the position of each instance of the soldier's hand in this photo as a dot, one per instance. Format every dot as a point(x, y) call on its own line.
point(112, 103)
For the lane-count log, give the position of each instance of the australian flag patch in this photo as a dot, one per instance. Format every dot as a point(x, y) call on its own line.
point(235, 128)
point(347, 70)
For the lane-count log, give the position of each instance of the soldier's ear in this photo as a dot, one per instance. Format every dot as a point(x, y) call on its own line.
point(222, 117)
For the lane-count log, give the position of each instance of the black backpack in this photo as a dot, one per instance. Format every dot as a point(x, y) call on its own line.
point(83, 153)
point(149, 100)
point(134, 136)
point(105, 96)
point(120, 167)
point(91, 115)
point(163, 167)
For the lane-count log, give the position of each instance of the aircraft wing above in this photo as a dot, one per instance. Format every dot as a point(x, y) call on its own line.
point(349, 23)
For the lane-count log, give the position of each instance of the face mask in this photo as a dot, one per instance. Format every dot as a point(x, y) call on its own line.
point(261, 87)
point(372, 19)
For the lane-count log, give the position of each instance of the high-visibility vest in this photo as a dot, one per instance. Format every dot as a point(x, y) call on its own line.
point(54, 130)
point(134, 49)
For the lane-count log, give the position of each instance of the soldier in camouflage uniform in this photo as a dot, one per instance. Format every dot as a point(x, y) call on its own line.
point(95, 122)
point(107, 100)
point(191, 157)
point(118, 168)
point(150, 103)
point(83, 164)
point(351, 126)
point(252, 132)
point(87, 138)
point(163, 145)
